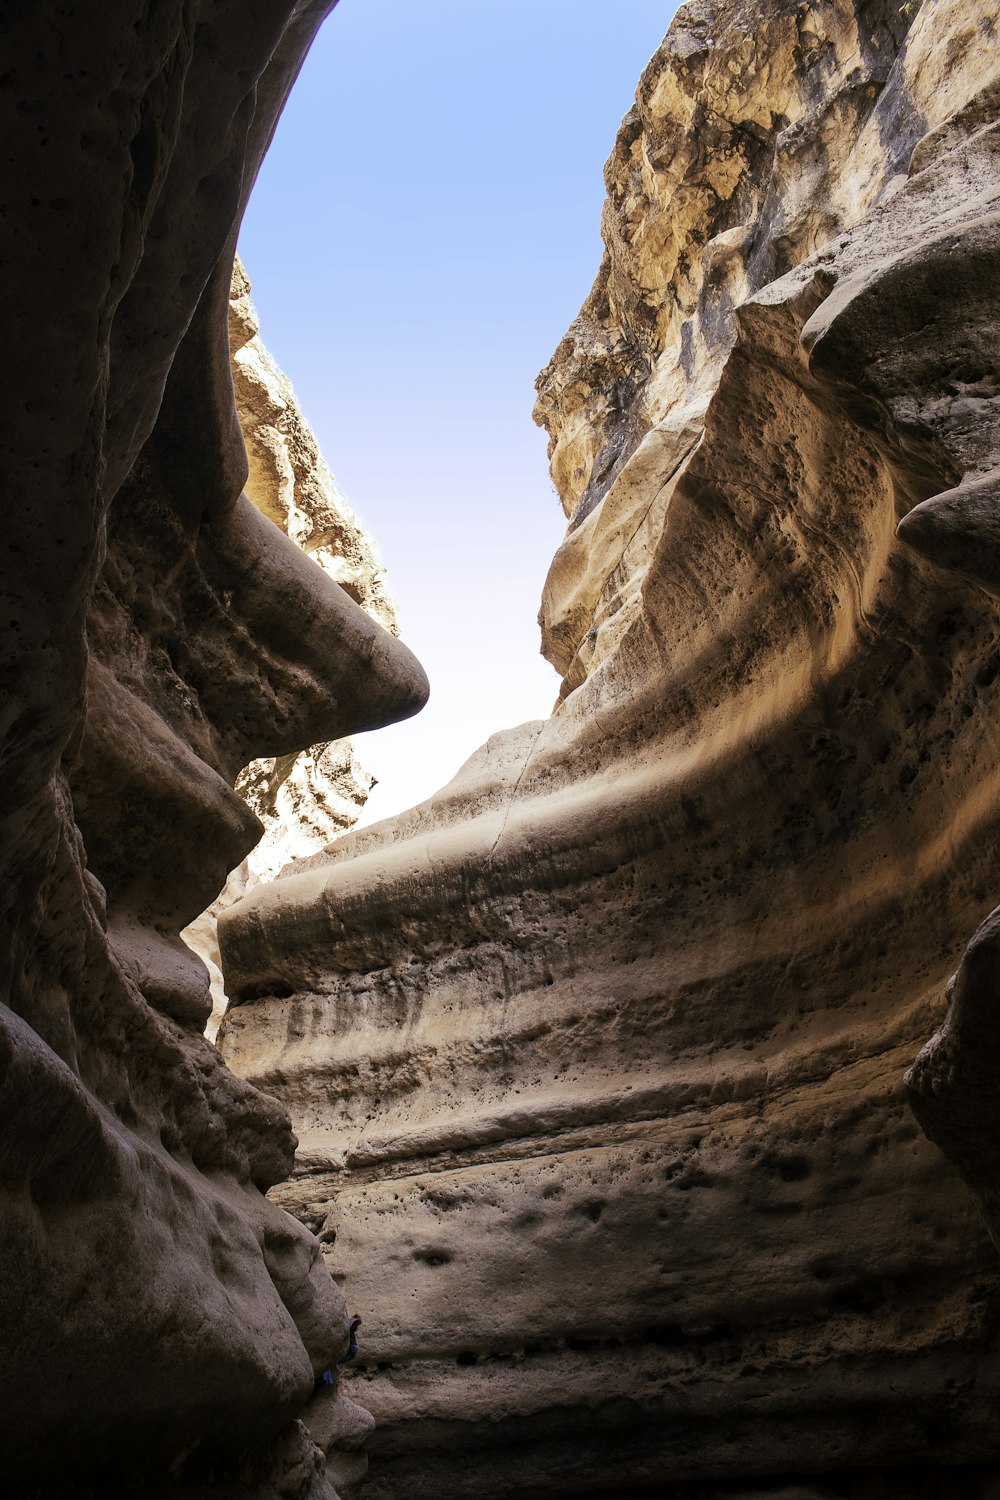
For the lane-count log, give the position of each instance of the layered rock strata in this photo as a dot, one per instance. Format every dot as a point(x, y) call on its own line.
point(161, 1322)
point(596, 1058)
point(302, 801)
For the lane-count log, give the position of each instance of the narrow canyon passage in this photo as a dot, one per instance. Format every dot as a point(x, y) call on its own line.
point(596, 1058)
point(591, 1083)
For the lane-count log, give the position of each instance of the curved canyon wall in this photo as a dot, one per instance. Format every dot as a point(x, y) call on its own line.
point(596, 1059)
point(303, 800)
point(161, 1322)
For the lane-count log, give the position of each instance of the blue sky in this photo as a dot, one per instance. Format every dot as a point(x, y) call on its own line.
point(423, 230)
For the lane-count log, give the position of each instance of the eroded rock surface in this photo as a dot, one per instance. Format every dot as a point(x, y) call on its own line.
point(596, 1059)
point(161, 1322)
point(301, 800)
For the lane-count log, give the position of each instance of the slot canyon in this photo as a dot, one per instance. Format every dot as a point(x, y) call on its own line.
point(639, 1090)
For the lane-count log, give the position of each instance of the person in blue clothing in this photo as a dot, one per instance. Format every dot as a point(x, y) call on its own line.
point(329, 1377)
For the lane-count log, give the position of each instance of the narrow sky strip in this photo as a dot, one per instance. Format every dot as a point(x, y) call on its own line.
point(424, 229)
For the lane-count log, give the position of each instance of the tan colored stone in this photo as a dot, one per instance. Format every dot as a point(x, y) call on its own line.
point(596, 1058)
point(305, 800)
point(289, 480)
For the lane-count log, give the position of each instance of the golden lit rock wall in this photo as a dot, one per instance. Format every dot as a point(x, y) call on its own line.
point(597, 1057)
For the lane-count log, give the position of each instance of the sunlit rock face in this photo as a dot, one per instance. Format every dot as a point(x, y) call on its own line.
point(161, 1323)
point(597, 1058)
point(301, 800)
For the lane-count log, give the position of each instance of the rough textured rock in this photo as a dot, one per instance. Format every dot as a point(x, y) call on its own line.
point(161, 1323)
point(302, 801)
point(288, 478)
point(597, 1058)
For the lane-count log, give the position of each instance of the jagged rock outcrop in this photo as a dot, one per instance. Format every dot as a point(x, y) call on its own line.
point(289, 479)
point(597, 1058)
point(302, 801)
point(161, 1322)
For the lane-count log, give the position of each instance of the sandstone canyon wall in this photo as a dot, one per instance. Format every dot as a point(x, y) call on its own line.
point(303, 800)
point(161, 1322)
point(596, 1059)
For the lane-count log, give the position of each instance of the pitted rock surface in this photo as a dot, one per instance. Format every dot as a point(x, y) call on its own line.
point(596, 1058)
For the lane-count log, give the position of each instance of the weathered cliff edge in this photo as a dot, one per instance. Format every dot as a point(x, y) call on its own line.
point(597, 1058)
point(161, 1322)
point(303, 800)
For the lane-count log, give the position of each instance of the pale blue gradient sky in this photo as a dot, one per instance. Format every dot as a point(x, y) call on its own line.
point(424, 228)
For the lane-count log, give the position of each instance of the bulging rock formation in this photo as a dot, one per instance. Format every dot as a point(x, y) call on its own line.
point(301, 800)
point(596, 1059)
point(161, 1322)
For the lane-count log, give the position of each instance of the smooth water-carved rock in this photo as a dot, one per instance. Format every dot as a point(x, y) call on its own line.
point(596, 1058)
point(161, 1323)
point(303, 800)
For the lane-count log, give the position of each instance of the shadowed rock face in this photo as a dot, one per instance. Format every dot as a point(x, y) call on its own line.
point(596, 1059)
point(156, 1312)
